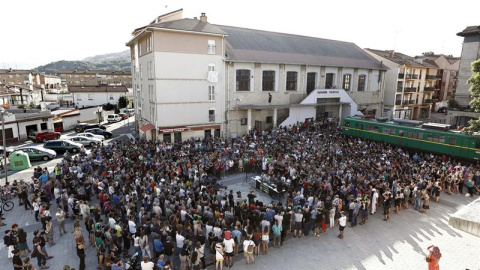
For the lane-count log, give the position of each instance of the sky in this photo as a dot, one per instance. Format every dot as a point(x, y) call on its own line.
point(34, 33)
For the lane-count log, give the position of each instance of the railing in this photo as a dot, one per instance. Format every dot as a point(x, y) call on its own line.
point(211, 118)
point(401, 75)
point(428, 89)
point(398, 102)
point(412, 76)
point(399, 89)
point(410, 89)
point(427, 101)
point(412, 101)
point(431, 77)
point(439, 75)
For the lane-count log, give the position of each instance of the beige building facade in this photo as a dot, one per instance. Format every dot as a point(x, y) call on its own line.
point(95, 77)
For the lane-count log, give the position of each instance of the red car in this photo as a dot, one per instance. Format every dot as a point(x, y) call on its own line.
point(43, 136)
point(123, 115)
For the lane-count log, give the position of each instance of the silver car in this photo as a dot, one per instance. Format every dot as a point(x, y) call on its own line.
point(86, 141)
point(36, 152)
point(91, 135)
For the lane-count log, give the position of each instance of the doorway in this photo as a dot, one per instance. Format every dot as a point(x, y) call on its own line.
point(207, 134)
point(43, 126)
point(31, 129)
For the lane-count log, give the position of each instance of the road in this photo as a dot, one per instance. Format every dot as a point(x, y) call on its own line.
point(123, 130)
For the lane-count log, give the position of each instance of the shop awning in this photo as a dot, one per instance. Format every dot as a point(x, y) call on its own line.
point(147, 127)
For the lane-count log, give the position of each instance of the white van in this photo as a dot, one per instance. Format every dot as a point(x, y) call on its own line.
point(112, 118)
point(130, 112)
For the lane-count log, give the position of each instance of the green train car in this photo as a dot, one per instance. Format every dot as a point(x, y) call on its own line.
point(414, 137)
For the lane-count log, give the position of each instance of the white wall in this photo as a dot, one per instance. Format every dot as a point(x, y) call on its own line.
point(97, 98)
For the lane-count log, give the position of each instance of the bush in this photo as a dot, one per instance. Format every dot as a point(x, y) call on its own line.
point(109, 107)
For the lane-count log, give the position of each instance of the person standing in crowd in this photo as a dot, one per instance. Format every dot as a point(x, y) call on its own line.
point(248, 249)
point(342, 222)
point(433, 258)
point(81, 255)
point(40, 255)
point(17, 260)
point(61, 221)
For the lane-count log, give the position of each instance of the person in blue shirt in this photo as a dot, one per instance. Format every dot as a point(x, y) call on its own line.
point(157, 246)
point(44, 177)
point(161, 262)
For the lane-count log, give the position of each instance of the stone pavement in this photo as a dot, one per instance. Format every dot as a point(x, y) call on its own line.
point(397, 244)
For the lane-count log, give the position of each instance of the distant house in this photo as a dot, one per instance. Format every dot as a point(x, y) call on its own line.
point(18, 76)
point(26, 94)
point(95, 77)
point(85, 96)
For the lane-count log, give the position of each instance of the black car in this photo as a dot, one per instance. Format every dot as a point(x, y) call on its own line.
point(62, 146)
point(99, 131)
point(81, 127)
point(443, 110)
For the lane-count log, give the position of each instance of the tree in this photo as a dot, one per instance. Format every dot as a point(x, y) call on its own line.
point(122, 102)
point(474, 81)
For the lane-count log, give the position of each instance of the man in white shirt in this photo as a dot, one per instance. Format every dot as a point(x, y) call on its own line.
point(147, 264)
point(229, 247)
point(180, 240)
point(342, 221)
point(132, 227)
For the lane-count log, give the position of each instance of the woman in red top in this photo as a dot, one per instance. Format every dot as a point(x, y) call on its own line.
point(433, 258)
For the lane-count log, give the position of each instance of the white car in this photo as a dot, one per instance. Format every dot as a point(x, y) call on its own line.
point(86, 141)
point(91, 135)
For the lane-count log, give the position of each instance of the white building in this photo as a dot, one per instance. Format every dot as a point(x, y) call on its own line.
point(87, 96)
point(195, 79)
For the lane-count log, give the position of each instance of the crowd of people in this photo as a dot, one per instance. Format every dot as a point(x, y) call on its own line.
point(162, 206)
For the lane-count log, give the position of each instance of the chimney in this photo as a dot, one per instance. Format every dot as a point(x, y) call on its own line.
point(203, 18)
point(391, 54)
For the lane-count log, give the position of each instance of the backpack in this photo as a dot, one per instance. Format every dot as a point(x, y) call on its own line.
point(251, 246)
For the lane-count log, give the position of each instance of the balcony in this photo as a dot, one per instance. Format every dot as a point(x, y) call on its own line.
point(411, 76)
point(428, 89)
point(439, 76)
point(401, 75)
point(399, 89)
point(398, 102)
point(431, 77)
point(427, 101)
point(412, 101)
point(410, 89)
point(211, 118)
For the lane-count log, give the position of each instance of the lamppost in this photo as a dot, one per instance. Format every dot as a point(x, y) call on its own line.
point(4, 113)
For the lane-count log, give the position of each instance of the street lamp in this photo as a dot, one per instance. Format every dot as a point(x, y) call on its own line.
point(4, 113)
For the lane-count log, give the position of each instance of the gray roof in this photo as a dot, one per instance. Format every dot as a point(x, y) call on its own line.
point(470, 31)
point(186, 25)
point(249, 45)
point(401, 59)
point(98, 88)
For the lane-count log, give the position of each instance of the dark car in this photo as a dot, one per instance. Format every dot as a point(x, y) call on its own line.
point(81, 127)
point(62, 146)
point(123, 115)
point(99, 131)
point(443, 110)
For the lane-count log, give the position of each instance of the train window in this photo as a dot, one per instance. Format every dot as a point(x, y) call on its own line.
point(375, 128)
point(410, 134)
point(477, 144)
point(441, 139)
point(386, 130)
point(347, 124)
point(400, 133)
point(429, 137)
point(418, 135)
point(452, 141)
point(361, 126)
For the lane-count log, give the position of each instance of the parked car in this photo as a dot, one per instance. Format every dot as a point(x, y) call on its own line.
point(86, 141)
point(123, 115)
point(81, 127)
point(113, 118)
point(99, 131)
point(130, 112)
point(37, 152)
point(443, 110)
point(43, 136)
point(8, 150)
point(62, 146)
point(91, 135)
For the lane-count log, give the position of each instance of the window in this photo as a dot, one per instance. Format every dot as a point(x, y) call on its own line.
point(211, 47)
point(79, 97)
point(268, 80)
point(311, 76)
point(386, 130)
point(111, 97)
point(346, 82)
point(361, 82)
point(151, 94)
point(292, 80)
point(269, 119)
point(211, 67)
point(243, 80)
point(211, 115)
point(243, 121)
point(452, 141)
point(152, 114)
point(329, 80)
point(400, 133)
point(149, 44)
point(90, 96)
point(211, 93)
point(141, 75)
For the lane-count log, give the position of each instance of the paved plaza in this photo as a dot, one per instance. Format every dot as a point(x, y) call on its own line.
point(397, 244)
